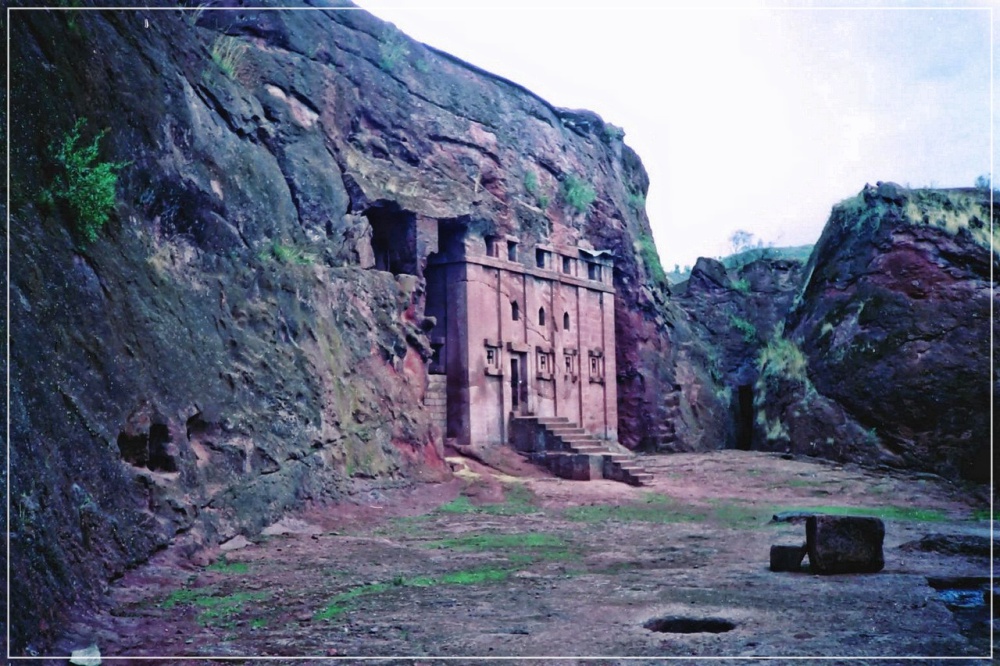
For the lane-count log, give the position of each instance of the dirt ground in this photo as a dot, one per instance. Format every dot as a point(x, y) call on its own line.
point(521, 564)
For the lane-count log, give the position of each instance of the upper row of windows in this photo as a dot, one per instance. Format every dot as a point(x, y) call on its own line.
point(543, 259)
point(515, 314)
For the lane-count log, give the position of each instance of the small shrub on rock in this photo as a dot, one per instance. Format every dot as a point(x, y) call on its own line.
point(578, 193)
point(83, 183)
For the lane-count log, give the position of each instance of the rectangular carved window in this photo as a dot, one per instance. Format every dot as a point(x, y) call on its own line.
point(493, 361)
point(545, 363)
point(596, 359)
point(570, 369)
point(512, 250)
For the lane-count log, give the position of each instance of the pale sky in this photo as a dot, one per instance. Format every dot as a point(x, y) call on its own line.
point(746, 117)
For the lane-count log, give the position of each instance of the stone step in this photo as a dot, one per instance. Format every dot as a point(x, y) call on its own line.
point(585, 442)
point(593, 449)
point(548, 420)
point(572, 434)
point(567, 436)
point(589, 450)
point(569, 439)
point(578, 438)
point(567, 428)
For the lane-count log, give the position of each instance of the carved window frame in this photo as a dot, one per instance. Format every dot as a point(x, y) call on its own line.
point(493, 357)
point(595, 366)
point(545, 363)
point(571, 365)
point(595, 271)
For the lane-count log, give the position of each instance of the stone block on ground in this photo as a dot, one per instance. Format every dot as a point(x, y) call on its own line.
point(845, 544)
point(787, 558)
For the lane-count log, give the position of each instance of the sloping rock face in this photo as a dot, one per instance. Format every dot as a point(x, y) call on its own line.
point(735, 312)
point(247, 332)
point(886, 355)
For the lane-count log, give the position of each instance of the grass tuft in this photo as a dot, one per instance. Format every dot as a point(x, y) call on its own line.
point(578, 193)
point(782, 358)
point(746, 328)
point(518, 501)
point(343, 601)
point(491, 541)
point(646, 249)
point(629, 513)
point(908, 513)
point(228, 53)
point(223, 566)
point(391, 51)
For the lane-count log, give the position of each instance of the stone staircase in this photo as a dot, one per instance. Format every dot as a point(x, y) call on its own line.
point(436, 401)
point(570, 452)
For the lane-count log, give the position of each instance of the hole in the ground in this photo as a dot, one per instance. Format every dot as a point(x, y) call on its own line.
point(689, 625)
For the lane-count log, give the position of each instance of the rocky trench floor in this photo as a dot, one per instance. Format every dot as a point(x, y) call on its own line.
point(519, 564)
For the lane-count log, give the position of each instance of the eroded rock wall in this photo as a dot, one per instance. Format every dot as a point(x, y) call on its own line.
point(735, 312)
point(885, 356)
point(241, 337)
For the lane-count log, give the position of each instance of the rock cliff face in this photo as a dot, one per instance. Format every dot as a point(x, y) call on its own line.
point(246, 333)
point(885, 354)
point(735, 313)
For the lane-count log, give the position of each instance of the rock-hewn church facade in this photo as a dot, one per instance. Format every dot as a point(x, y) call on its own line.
point(521, 331)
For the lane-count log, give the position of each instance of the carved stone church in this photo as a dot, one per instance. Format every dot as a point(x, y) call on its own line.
point(523, 341)
point(522, 331)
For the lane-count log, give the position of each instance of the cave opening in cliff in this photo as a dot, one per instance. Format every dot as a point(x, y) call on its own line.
point(149, 450)
point(159, 453)
point(744, 417)
point(394, 240)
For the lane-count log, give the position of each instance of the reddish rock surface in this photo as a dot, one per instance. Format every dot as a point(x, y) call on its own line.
point(894, 325)
point(243, 338)
point(228, 347)
point(735, 312)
